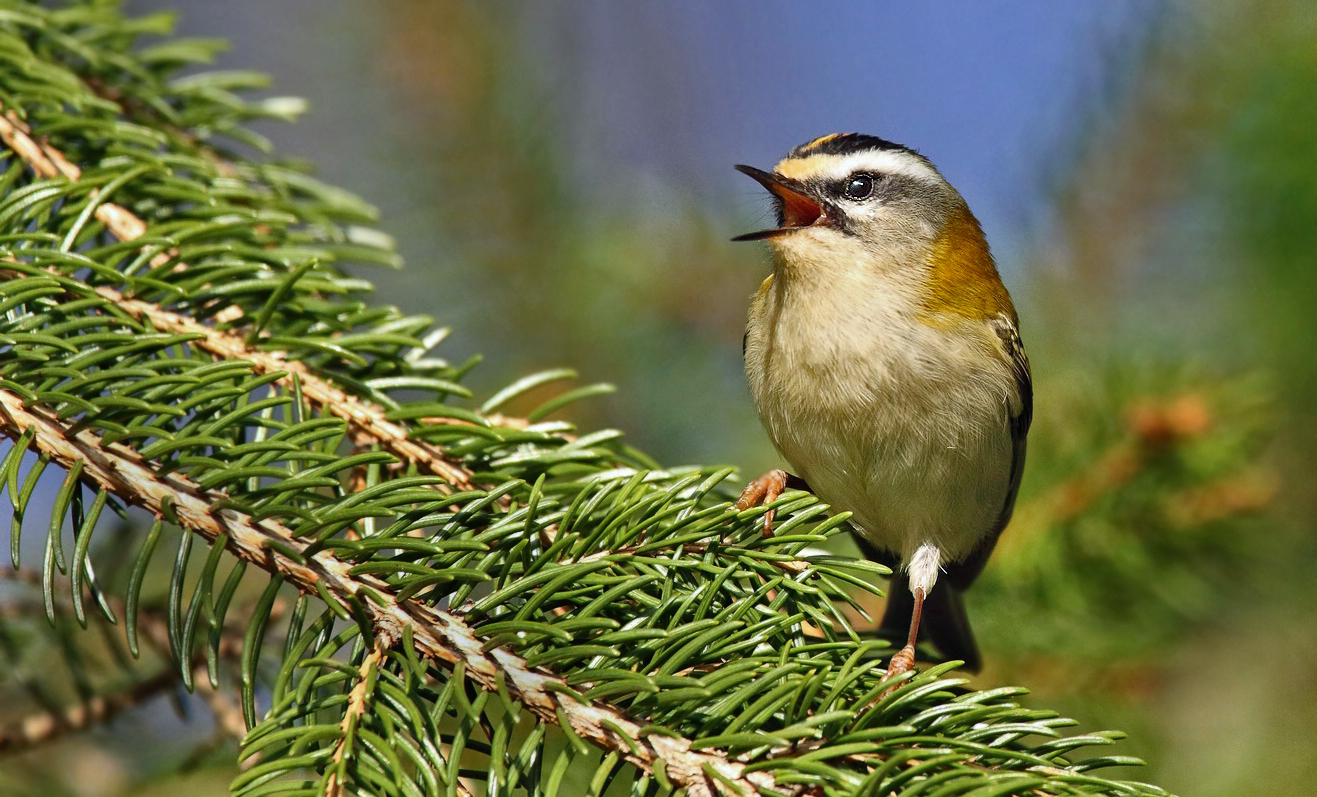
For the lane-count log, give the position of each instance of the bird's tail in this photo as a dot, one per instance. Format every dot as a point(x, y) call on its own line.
point(945, 623)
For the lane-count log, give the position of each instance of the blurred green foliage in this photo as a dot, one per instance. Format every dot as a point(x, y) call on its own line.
point(1183, 302)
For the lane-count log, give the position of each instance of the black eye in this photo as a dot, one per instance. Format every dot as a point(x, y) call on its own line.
point(860, 186)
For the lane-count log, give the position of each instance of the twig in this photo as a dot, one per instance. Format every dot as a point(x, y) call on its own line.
point(48, 725)
point(226, 711)
point(1153, 428)
point(358, 703)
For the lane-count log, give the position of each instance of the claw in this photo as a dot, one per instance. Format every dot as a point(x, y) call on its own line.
point(902, 662)
point(764, 490)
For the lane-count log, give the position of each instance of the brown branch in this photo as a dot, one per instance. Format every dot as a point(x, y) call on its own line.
point(440, 635)
point(1152, 428)
point(1223, 498)
point(49, 725)
point(227, 714)
point(367, 422)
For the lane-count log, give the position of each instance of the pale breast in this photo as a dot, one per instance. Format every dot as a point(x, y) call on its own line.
point(902, 424)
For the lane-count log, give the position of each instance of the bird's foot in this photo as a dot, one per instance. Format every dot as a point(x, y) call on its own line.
point(764, 490)
point(902, 662)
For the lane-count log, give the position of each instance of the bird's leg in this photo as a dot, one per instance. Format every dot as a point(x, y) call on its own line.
point(764, 490)
point(904, 660)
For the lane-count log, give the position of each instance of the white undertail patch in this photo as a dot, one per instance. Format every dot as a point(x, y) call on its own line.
point(923, 568)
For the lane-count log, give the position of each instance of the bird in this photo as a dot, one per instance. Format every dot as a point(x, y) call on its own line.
point(884, 358)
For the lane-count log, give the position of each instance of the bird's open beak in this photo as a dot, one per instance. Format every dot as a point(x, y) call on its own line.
point(797, 209)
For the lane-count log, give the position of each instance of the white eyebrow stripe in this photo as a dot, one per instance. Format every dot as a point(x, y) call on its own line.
point(879, 161)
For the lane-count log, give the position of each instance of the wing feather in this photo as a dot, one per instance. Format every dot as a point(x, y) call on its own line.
point(963, 573)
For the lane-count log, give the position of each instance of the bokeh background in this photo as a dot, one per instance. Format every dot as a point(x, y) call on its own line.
point(558, 179)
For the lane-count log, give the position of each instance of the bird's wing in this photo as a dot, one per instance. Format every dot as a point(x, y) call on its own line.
point(963, 573)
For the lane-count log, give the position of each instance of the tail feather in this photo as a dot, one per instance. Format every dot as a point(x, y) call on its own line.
point(945, 623)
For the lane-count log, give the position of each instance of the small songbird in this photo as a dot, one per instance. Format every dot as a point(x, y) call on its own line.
point(885, 361)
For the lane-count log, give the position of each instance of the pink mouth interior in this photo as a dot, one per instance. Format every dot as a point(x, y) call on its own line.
point(798, 210)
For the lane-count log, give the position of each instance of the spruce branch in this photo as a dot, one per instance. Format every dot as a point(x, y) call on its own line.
point(1152, 429)
point(48, 726)
point(368, 421)
point(358, 704)
point(100, 709)
point(50, 163)
point(439, 635)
